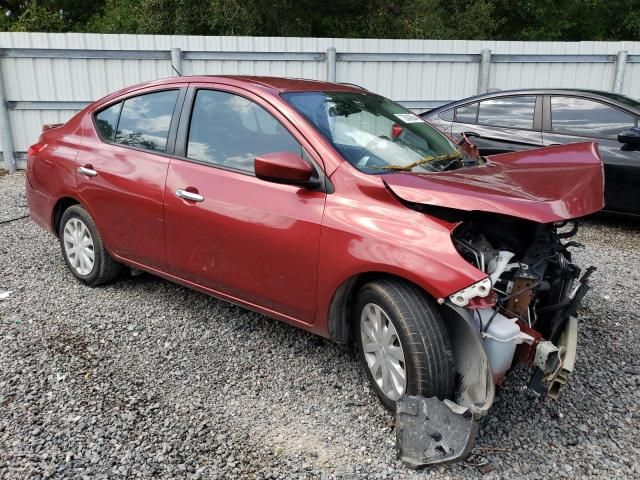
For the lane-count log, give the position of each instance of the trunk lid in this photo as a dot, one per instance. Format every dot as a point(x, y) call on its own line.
point(544, 185)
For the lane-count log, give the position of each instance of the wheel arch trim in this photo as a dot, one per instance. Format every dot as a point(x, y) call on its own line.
point(339, 313)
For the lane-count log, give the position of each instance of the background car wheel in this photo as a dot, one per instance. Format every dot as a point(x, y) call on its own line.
point(402, 342)
point(83, 250)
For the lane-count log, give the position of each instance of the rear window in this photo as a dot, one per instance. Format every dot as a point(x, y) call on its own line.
point(145, 120)
point(467, 113)
point(447, 115)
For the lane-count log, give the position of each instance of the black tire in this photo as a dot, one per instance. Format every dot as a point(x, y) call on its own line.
point(421, 334)
point(104, 269)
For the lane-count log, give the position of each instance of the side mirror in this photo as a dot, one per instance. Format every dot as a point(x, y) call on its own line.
point(285, 167)
point(630, 137)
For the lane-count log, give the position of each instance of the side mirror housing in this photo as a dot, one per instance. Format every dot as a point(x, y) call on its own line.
point(630, 137)
point(285, 167)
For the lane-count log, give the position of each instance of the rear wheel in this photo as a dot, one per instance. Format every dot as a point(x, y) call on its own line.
point(402, 341)
point(83, 250)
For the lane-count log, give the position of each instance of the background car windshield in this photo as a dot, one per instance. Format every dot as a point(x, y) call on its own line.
point(370, 131)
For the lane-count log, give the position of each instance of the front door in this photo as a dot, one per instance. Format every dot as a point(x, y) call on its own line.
point(243, 237)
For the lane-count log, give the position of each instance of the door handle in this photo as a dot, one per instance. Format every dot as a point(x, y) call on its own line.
point(187, 195)
point(471, 134)
point(87, 171)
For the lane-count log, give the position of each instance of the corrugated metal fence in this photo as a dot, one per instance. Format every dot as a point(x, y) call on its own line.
point(45, 78)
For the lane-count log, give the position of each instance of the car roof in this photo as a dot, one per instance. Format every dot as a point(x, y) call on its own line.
point(287, 84)
point(272, 85)
point(279, 84)
point(618, 99)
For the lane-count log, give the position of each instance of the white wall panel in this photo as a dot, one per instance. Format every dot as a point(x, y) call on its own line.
point(73, 79)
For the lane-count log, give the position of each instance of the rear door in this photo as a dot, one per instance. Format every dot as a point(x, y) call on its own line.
point(577, 119)
point(245, 238)
point(123, 166)
point(500, 125)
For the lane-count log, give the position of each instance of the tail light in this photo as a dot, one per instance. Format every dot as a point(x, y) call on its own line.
point(35, 149)
point(32, 152)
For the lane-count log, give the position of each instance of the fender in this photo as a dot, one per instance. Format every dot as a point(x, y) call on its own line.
point(373, 235)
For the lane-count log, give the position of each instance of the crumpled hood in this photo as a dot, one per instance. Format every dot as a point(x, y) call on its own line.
point(544, 185)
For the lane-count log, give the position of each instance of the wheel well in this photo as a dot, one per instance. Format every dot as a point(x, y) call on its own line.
point(59, 208)
point(339, 322)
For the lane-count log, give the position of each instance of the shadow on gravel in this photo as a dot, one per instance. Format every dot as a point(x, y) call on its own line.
point(612, 220)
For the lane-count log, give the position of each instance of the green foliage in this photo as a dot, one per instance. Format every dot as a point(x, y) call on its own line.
point(197, 17)
point(47, 16)
point(570, 20)
point(117, 16)
point(37, 18)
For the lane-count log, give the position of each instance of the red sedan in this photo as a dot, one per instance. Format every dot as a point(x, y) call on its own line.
point(340, 212)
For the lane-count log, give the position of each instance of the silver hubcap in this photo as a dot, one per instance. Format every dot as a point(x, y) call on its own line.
point(78, 245)
point(383, 351)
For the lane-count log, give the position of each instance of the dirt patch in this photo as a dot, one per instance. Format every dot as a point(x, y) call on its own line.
point(310, 446)
point(70, 343)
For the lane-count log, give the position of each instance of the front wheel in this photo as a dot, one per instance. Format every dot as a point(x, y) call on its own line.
point(402, 342)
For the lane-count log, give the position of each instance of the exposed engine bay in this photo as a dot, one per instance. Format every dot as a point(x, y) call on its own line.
point(533, 290)
point(525, 309)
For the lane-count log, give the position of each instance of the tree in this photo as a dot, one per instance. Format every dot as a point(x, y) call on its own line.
point(48, 16)
point(116, 16)
point(570, 20)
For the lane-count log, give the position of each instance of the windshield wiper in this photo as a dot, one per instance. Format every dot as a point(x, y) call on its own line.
point(423, 161)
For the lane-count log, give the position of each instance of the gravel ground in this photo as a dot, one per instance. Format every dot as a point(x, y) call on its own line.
point(145, 378)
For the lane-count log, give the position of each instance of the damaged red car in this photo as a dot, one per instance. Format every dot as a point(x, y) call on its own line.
point(343, 213)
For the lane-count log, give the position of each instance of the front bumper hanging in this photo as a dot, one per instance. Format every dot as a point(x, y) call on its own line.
point(430, 431)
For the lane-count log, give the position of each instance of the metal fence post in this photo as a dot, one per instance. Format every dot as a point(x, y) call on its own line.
point(483, 73)
point(176, 61)
point(331, 64)
point(618, 78)
point(5, 130)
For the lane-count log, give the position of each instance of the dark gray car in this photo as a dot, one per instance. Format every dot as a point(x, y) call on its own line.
point(512, 120)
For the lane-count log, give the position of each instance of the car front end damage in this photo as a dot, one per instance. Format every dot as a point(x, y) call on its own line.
point(523, 310)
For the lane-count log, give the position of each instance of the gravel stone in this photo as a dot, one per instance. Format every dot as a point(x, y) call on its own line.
point(143, 378)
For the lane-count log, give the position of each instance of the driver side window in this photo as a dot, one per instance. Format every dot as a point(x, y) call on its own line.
point(229, 131)
point(587, 118)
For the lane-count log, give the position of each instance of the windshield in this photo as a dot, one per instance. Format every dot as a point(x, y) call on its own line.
point(375, 134)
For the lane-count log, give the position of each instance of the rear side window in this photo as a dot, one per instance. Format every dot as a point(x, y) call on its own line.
point(467, 113)
point(446, 115)
point(509, 112)
point(230, 131)
point(145, 120)
point(107, 121)
point(586, 118)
